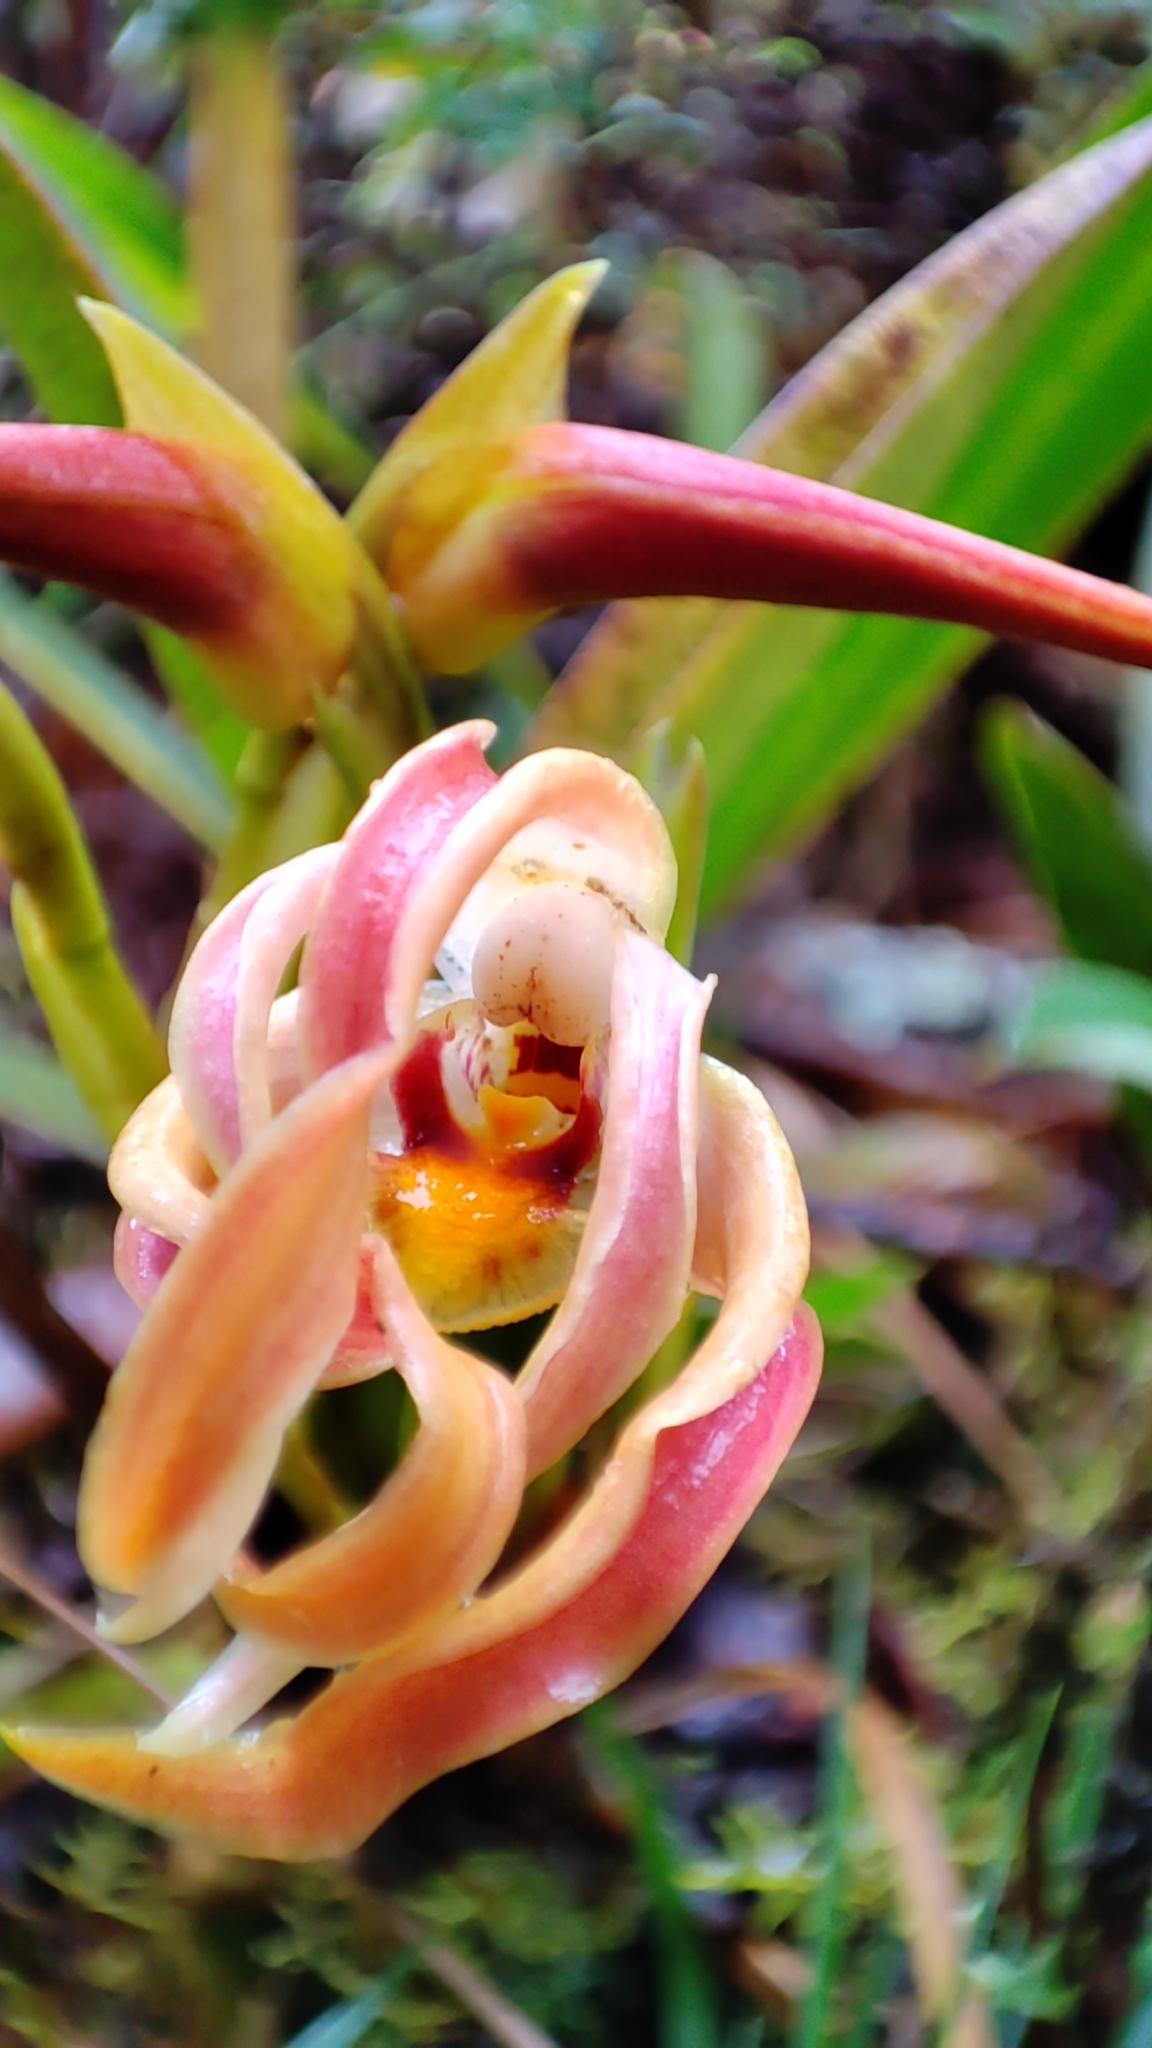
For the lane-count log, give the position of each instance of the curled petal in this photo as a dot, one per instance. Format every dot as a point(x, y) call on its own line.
point(752, 1249)
point(140, 1259)
point(632, 1270)
point(422, 845)
point(218, 1042)
point(497, 538)
point(365, 1350)
point(235, 1340)
point(350, 957)
point(316, 1786)
point(435, 1529)
point(158, 1172)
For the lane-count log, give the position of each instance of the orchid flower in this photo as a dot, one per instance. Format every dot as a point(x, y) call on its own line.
point(485, 1098)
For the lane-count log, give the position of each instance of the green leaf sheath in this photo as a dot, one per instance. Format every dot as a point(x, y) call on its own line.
point(1003, 387)
point(98, 1023)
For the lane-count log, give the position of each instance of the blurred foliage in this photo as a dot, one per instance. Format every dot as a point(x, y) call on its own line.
point(805, 156)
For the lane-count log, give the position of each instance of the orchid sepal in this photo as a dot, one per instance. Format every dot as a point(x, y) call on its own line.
point(498, 536)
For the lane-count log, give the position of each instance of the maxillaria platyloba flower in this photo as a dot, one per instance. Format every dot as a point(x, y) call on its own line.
point(490, 512)
point(333, 1182)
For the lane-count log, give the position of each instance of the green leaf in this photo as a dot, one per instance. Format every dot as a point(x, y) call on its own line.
point(98, 1023)
point(1002, 386)
point(1079, 842)
point(37, 1094)
point(77, 215)
point(844, 1301)
point(1096, 1020)
point(114, 713)
point(726, 353)
point(1028, 1984)
point(815, 2021)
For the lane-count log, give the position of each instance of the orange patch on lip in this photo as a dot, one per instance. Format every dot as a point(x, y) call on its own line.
point(477, 1244)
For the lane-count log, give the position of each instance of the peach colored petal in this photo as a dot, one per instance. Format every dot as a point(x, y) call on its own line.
point(157, 1171)
point(436, 1527)
point(235, 1340)
point(753, 1229)
point(632, 1271)
point(349, 959)
point(218, 1041)
point(316, 1786)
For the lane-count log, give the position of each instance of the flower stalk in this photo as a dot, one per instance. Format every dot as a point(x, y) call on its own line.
point(98, 1023)
point(241, 218)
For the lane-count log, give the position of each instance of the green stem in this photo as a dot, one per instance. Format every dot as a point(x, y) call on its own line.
point(289, 796)
point(307, 1485)
point(98, 1023)
point(241, 219)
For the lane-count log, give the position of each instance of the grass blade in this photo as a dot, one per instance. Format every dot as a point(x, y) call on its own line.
point(851, 1603)
point(687, 2015)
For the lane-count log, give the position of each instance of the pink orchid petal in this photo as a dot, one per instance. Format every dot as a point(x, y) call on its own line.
point(140, 1259)
point(348, 962)
point(434, 1530)
point(365, 1350)
point(317, 1785)
point(218, 1042)
point(632, 1271)
point(419, 848)
point(235, 1340)
point(588, 798)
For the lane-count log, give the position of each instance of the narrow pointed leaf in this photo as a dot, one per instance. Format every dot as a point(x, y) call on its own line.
point(78, 215)
point(1081, 846)
point(1096, 1020)
point(113, 713)
point(38, 1094)
point(1002, 387)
